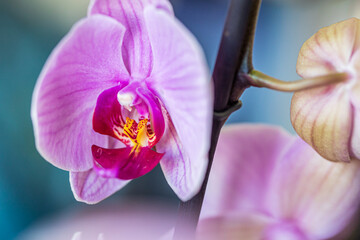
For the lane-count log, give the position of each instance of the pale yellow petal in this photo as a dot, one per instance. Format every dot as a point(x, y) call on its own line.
point(329, 50)
point(322, 117)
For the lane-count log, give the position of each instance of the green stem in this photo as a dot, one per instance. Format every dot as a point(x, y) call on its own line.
point(259, 79)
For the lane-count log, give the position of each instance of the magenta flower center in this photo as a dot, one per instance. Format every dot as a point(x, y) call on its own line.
point(132, 115)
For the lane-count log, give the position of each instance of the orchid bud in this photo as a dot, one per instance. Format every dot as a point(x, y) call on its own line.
point(328, 118)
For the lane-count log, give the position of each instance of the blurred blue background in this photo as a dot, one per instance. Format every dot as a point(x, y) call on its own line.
point(31, 189)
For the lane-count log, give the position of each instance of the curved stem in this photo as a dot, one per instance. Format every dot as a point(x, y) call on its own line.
point(259, 79)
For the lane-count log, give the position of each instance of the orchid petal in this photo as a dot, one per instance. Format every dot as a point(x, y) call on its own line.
point(263, 170)
point(322, 118)
point(284, 230)
point(91, 188)
point(124, 164)
point(85, 63)
point(245, 158)
point(321, 195)
point(355, 105)
point(329, 50)
point(355, 84)
point(156, 114)
point(130, 13)
point(355, 138)
point(107, 112)
point(179, 78)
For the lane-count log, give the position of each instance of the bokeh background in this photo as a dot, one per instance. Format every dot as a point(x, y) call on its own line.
point(33, 192)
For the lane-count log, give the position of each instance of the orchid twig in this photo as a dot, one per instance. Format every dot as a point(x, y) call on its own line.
point(259, 79)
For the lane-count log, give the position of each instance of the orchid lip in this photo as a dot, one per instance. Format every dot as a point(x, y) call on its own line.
point(124, 163)
point(133, 115)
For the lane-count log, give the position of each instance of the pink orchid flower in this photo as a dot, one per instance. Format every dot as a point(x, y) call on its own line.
point(126, 88)
point(328, 118)
point(267, 184)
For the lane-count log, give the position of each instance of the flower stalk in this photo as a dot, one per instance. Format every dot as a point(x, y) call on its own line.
point(234, 59)
point(259, 79)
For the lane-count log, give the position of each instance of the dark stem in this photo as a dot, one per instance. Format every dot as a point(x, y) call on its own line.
point(234, 60)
